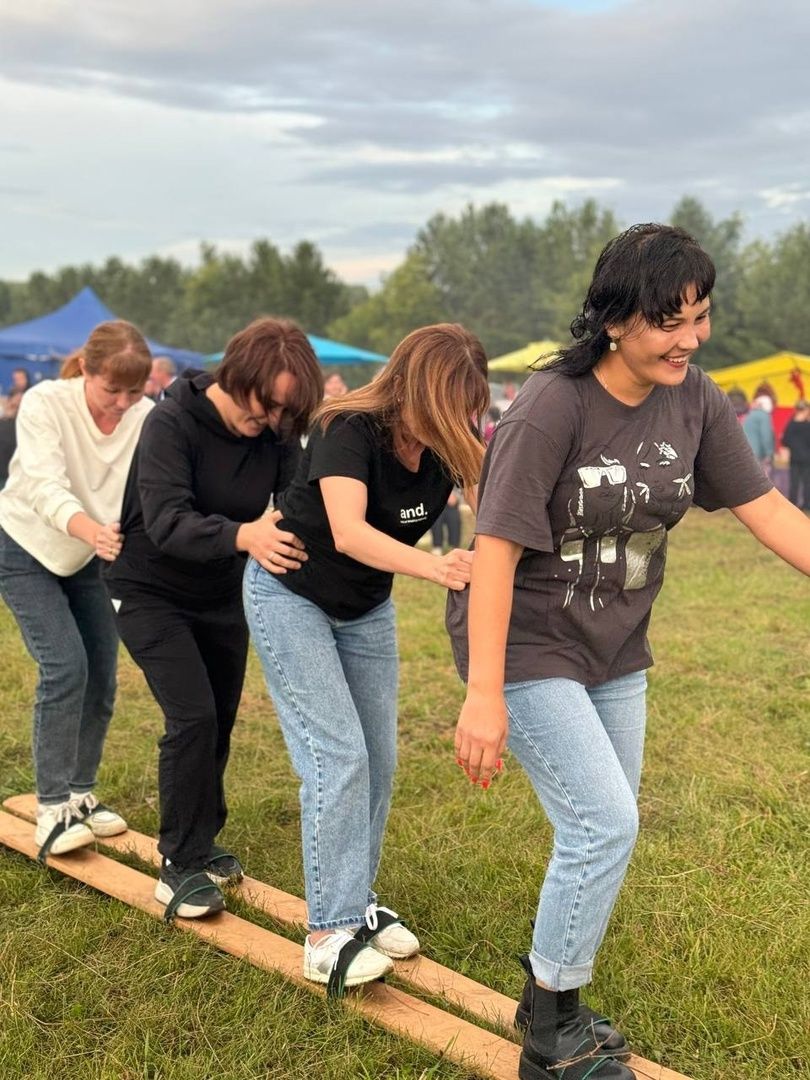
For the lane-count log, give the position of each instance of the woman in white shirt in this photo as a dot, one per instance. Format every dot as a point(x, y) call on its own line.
point(59, 516)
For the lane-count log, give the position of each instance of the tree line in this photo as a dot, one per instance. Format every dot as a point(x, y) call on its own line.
point(508, 280)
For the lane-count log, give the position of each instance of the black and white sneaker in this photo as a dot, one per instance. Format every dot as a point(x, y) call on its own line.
point(223, 868)
point(191, 894)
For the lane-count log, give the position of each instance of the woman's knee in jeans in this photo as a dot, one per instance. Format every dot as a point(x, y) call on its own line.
point(616, 831)
point(63, 675)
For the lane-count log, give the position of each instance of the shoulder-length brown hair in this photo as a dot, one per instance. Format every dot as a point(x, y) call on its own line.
point(116, 349)
point(436, 382)
point(257, 355)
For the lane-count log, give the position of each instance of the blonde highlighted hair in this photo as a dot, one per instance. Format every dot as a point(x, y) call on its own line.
point(435, 385)
point(115, 349)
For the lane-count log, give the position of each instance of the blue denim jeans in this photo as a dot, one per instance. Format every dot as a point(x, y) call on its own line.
point(582, 749)
point(68, 627)
point(334, 685)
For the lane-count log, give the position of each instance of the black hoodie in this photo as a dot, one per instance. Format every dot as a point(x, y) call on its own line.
point(191, 485)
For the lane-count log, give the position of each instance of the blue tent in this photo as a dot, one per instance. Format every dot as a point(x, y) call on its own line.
point(40, 345)
point(330, 352)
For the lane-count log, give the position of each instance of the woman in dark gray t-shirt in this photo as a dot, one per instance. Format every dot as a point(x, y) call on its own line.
point(601, 454)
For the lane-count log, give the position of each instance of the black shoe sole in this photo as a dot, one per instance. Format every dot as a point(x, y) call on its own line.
point(621, 1053)
point(530, 1070)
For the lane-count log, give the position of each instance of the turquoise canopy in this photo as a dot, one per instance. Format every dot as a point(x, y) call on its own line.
point(330, 352)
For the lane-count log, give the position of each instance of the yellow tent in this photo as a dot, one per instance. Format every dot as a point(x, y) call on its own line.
point(522, 358)
point(787, 373)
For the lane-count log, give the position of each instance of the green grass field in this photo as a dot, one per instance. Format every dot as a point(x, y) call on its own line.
point(707, 958)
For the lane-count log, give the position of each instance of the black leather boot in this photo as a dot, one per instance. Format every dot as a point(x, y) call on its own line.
point(609, 1039)
point(559, 1046)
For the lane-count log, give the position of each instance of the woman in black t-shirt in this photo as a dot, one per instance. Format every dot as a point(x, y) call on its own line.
point(209, 460)
point(377, 471)
point(601, 454)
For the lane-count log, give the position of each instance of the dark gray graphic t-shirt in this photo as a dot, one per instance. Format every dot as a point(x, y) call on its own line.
point(590, 487)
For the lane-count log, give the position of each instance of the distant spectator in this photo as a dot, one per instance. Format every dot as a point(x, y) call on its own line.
point(796, 439)
point(759, 432)
point(20, 380)
point(449, 523)
point(739, 403)
point(492, 418)
point(509, 395)
point(164, 372)
point(334, 386)
point(8, 433)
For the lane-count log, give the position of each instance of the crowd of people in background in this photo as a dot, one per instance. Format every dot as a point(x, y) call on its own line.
point(212, 519)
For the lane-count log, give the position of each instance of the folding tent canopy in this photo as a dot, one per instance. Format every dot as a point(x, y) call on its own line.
point(521, 359)
point(40, 345)
point(787, 374)
point(330, 352)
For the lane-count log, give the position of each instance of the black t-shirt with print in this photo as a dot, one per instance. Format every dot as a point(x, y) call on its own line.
point(401, 504)
point(590, 487)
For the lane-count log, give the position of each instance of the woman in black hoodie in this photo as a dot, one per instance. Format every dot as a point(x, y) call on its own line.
point(213, 455)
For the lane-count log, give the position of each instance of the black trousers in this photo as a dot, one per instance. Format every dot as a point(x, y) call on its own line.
point(449, 519)
point(800, 483)
point(194, 662)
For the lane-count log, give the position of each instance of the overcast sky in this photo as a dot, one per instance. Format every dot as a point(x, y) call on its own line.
point(131, 128)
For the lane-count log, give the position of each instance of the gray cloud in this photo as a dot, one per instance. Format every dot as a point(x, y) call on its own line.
point(708, 96)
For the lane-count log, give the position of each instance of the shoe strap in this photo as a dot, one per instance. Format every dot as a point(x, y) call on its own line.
point(349, 950)
point(380, 920)
point(64, 822)
point(220, 853)
point(190, 886)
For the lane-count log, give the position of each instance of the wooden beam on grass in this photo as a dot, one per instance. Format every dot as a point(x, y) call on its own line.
point(419, 972)
point(398, 1012)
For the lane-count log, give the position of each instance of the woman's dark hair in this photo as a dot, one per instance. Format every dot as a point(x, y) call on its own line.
point(644, 272)
point(257, 355)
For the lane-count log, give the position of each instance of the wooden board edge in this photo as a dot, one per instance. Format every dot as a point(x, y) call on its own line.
point(398, 1012)
point(420, 972)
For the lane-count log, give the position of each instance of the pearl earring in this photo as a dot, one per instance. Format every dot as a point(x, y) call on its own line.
point(613, 346)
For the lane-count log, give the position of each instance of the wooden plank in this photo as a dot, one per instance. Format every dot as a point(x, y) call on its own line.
point(393, 1009)
point(419, 972)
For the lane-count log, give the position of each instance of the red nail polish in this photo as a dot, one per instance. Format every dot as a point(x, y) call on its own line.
point(485, 784)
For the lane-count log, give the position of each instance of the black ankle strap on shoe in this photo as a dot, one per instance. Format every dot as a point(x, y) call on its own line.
point(60, 827)
point(218, 853)
point(336, 987)
point(189, 887)
point(382, 920)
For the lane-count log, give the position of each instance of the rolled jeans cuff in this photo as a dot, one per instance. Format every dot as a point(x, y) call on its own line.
point(560, 976)
point(337, 924)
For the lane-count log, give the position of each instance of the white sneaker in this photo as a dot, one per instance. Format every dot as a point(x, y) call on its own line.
point(321, 958)
point(72, 835)
point(393, 939)
point(100, 819)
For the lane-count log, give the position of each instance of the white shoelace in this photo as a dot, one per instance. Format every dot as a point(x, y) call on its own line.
point(84, 804)
point(372, 922)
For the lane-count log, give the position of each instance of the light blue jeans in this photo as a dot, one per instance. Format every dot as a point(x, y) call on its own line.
point(68, 627)
point(582, 749)
point(334, 685)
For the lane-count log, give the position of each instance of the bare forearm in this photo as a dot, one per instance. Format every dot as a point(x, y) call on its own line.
point(779, 526)
point(371, 547)
point(489, 612)
point(83, 527)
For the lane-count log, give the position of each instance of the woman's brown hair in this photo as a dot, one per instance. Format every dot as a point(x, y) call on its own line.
point(257, 355)
point(117, 350)
point(436, 383)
